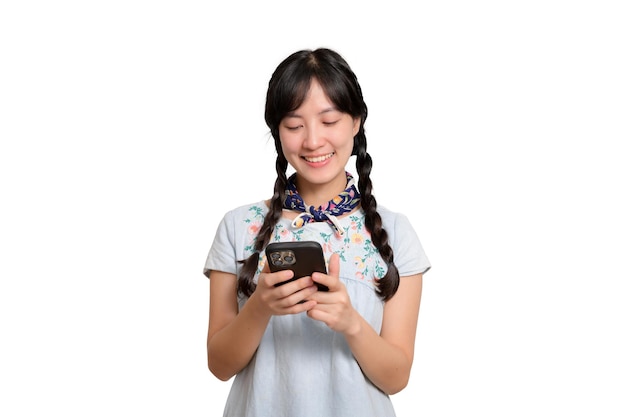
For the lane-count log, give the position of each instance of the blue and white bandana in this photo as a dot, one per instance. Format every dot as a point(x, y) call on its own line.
point(345, 202)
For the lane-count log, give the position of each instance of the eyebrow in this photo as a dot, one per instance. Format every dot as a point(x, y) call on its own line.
point(328, 110)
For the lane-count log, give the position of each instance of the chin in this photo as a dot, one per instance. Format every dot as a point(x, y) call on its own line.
point(320, 177)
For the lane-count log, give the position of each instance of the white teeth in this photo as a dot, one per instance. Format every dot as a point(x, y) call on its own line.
point(319, 158)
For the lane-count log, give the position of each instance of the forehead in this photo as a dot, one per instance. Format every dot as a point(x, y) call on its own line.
point(315, 100)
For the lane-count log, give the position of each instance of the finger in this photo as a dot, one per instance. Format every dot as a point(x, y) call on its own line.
point(273, 278)
point(297, 285)
point(306, 305)
point(333, 265)
point(317, 313)
point(303, 296)
point(297, 302)
point(331, 280)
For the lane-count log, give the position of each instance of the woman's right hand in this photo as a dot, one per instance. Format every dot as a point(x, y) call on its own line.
point(234, 334)
point(289, 298)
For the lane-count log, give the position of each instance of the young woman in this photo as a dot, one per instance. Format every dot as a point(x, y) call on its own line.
point(296, 350)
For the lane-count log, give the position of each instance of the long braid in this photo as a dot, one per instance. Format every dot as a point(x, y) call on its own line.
point(388, 285)
point(286, 91)
point(246, 285)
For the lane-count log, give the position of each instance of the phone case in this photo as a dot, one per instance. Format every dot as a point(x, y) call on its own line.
point(302, 257)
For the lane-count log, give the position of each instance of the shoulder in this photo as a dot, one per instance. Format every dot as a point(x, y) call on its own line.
point(409, 256)
point(398, 226)
point(392, 219)
point(246, 217)
point(247, 211)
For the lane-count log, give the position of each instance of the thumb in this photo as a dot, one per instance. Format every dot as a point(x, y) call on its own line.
point(333, 265)
point(266, 266)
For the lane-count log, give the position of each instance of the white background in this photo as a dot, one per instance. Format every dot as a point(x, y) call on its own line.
point(129, 127)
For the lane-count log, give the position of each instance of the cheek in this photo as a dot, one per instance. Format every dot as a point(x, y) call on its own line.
point(348, 139)
point(283, 139)
point(288, 145)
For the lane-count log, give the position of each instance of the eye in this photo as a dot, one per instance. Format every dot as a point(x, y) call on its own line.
point(293, 127)
point(330, 123)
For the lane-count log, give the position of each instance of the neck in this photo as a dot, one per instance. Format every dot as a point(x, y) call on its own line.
point(317, 195)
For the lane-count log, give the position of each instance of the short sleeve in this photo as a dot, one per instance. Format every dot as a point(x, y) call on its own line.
point(222, 255)
point(409, 256)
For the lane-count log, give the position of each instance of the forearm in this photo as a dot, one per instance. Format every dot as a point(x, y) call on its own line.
point(386, 365)
point(232, 347)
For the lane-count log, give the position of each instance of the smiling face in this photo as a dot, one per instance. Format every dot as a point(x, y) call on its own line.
point(317, 140)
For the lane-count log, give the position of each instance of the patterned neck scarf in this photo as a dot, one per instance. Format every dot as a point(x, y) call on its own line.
point(345, 202)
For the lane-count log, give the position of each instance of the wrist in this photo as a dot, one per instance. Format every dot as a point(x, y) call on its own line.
point(355, 327)
point(257, 308)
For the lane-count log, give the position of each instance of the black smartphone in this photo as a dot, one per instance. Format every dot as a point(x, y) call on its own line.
point(302, 257)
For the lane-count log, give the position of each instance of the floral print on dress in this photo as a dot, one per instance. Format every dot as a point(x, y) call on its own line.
point(254, 223)
point(360, 260)
point(367, 261)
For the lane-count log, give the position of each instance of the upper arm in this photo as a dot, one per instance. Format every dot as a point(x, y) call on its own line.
point(401, 313)
point(223, 306)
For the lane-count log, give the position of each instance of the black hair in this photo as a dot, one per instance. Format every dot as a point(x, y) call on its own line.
point(287, 90)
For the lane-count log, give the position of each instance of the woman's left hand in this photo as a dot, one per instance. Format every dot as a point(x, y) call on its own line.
point(333, 307)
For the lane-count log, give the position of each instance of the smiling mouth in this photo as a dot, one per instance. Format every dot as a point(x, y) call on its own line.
point(318, 158)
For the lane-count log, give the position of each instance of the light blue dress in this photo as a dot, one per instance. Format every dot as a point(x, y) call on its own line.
point(301, 367)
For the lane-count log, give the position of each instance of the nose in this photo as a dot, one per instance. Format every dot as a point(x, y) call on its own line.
point(314, 137)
